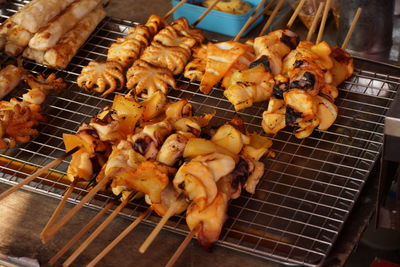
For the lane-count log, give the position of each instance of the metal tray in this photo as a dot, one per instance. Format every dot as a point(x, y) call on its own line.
point(308, 189)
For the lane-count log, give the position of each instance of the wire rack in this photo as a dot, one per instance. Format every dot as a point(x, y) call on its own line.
point(308, 189)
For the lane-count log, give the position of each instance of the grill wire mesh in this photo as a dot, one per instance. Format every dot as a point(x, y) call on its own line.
point(308, 189)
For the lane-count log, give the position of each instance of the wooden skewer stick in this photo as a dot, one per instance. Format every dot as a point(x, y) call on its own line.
point(249, 21)
point(170, 212)
point(352, 27)
point(98, 230)
point(271, 18)
point(59, 207)
point(37, 173)
point(205, 13)
point(172, 10)
point(315, 21)
point(295, 13)
point(181, 248)
point(323, 21)
point(76, 237)
point(121, 236)
point(57, 226)
point(265, 10)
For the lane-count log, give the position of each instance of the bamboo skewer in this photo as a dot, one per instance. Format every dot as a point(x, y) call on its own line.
point(59, 207)
point(271, 18)
point(295, 13)
point(265, 10)
point(37, 173)
point(170, 212)
point(172, 10)
point(76, 237)
point(323, 21)
point(181, 248)
point(98, 230)
point(351, 29)
point(315, 21)
point(57, 226)
point(250, 21)
point(121, 236)
point(205, 13)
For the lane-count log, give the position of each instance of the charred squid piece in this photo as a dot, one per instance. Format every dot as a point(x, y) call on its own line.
point(305, 81)
point(291, 115)
point(290, 39)
point(107, 125)
point(149, 139)
point(343, 66)
point(193, 124)
point(210, 220)
point(299, 64)
point(264, 61)
point(90, 158)
point(172, 148)
point(239, 177)
point(275, 45)
point(148, 177)
point(249, 86)
point(169, 197)
point(301, 102)
point(281, 86)
point(329, 91)
point(197, 178)
point(256, 171)
point(179, 109)
point(327, 113)
point(154, 106)
point(274, 116)
point(305, 128)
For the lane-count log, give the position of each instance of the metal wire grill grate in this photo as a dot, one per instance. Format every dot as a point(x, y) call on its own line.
point(308, 189)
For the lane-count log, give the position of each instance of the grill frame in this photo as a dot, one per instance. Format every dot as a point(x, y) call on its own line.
point(308, 189)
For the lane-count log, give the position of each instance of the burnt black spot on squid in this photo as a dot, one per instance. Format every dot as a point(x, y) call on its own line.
point(91, 132)
point(306, 81)
point(298, 64)
point(290, 41)
point(141, 144)
point(291, 115)
point(107, 119)
point(264, 60)
point(279, 89)
point(240, 174)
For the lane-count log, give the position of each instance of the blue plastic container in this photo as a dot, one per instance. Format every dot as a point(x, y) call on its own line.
point(216, 21)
